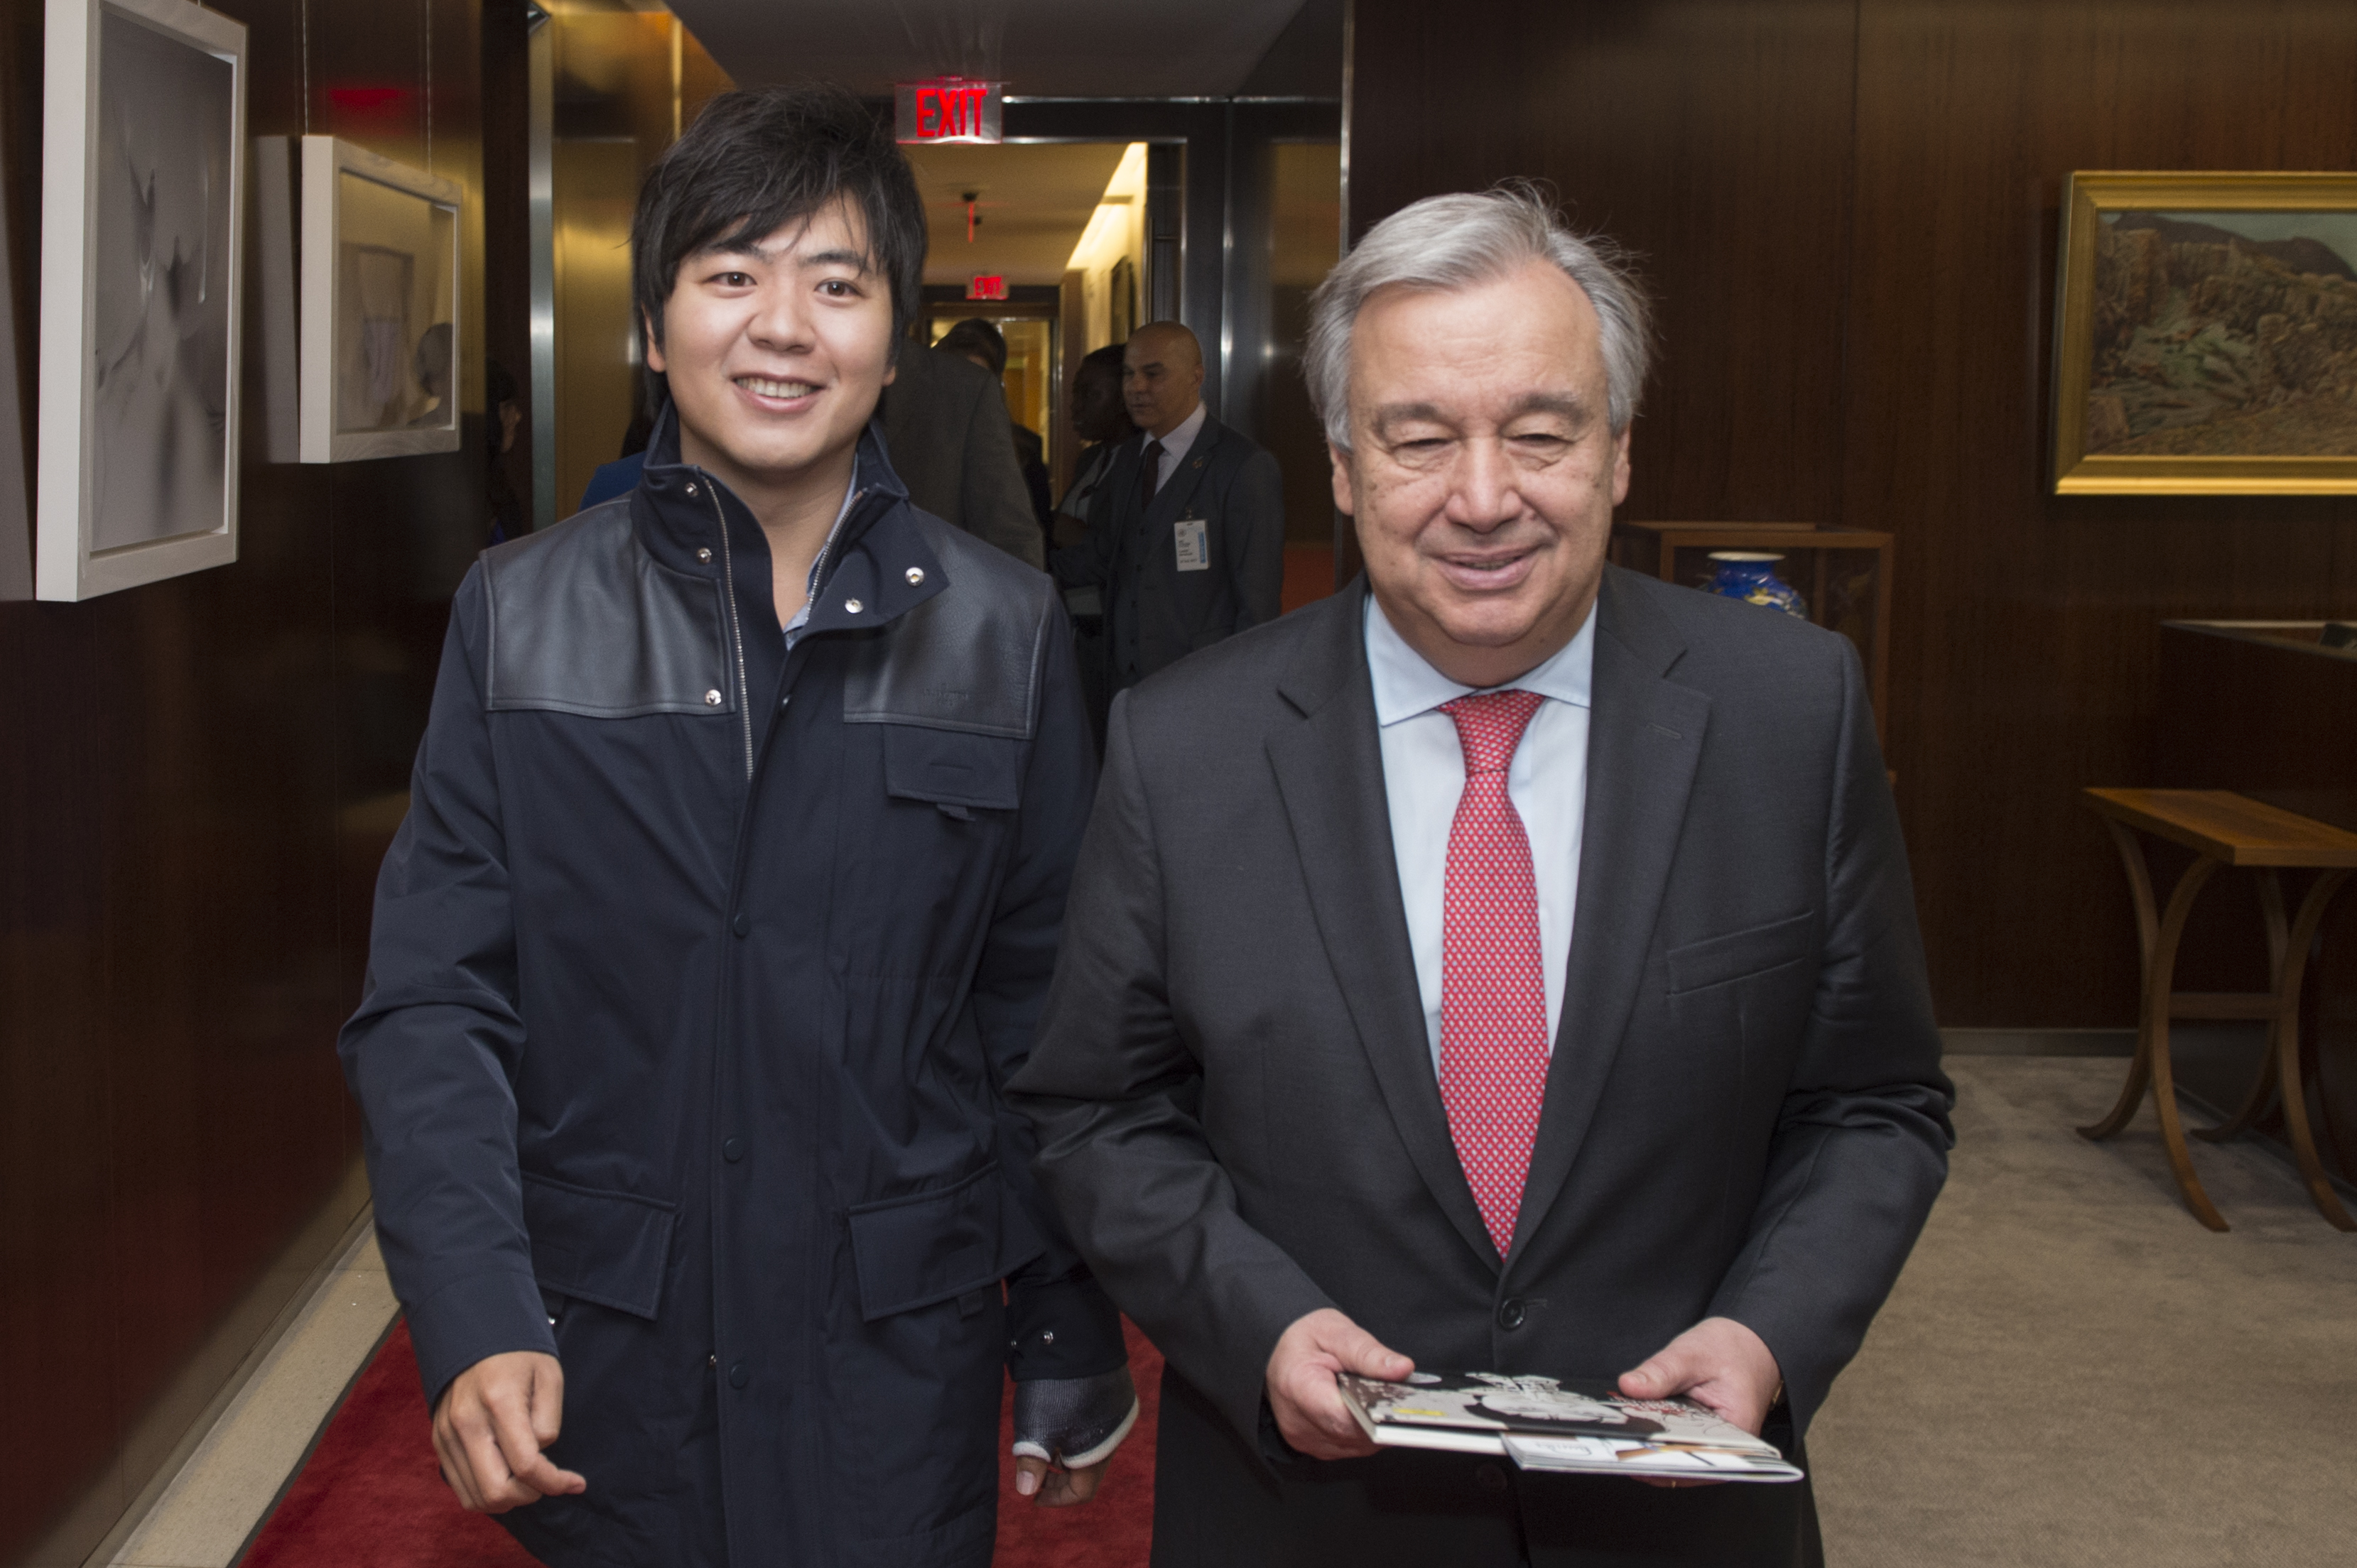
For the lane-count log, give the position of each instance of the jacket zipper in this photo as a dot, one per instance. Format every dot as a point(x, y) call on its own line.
point(735, 629)
point(818, 567)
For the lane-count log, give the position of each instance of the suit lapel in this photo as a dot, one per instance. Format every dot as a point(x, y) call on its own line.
point(1115, 502)
point(1644, 737)
point(1329, 772)
point(1171, 501)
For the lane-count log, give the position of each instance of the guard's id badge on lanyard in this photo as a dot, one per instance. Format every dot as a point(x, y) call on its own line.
point(1194, 535)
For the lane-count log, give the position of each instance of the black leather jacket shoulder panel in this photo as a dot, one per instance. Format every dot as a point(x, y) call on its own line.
point(581, 619)
point(971, 658)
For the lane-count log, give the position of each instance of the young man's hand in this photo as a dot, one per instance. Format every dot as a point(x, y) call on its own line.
point(489, 1429)
point(1051, 1486)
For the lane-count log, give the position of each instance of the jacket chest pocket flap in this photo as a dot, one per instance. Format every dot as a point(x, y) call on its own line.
point(1738, 955)
point(915, 1251)
point(604, 1247)
point(949, 768)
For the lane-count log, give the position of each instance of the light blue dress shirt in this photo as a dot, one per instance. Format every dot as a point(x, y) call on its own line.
point(800, 622)
point(1423, 773)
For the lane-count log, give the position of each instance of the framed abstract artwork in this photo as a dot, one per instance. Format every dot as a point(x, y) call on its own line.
point(142, 188)
point(2206, 334)
point(380, 319)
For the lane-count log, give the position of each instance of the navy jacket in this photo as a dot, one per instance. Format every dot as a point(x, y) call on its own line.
point(697, 970)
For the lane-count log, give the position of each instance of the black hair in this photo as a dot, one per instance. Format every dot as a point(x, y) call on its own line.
point(1107, 358)
point(974, 336)
point(755, 160)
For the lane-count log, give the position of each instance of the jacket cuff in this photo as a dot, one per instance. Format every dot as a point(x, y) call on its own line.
point(1786, 1331)
point(1067, 1328)
point(470, 1319)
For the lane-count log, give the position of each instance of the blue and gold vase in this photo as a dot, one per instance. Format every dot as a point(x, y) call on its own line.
point(1750, 575)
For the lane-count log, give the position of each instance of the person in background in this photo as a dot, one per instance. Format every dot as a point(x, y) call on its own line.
point(1101, 420)
point(944, 421)
point(506, 401)
point(726, 902)
point(1186, 536)
point(982, 343)
point(1507, 965)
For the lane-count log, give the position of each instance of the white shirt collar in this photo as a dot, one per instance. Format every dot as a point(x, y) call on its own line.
point(1405, 685)
point(1182, 436)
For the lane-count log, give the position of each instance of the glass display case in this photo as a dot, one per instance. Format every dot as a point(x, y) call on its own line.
point(1842, 574)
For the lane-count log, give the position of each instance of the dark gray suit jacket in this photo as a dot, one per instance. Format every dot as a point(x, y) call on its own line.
point(1240, 1121)
point(946, 427)
point(1156, 614)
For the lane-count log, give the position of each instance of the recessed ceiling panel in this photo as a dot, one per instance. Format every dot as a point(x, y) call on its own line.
point(1030, 202)
point(1046, 48)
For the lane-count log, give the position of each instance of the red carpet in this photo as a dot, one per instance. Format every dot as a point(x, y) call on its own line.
point(369, 1496)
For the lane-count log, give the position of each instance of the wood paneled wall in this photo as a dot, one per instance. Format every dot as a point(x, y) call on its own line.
point(1848, 212)
point(196, 780)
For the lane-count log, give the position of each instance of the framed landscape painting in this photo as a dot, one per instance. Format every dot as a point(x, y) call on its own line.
point(2206, 335)
point(142, 180)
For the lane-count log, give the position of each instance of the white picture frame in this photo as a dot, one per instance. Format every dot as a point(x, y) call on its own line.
point(380, 308)
point(143, 232)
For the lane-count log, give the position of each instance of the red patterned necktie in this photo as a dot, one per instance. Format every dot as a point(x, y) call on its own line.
point(1493, 1038)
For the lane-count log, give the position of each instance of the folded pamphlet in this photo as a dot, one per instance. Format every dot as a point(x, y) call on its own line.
point(1548, 1424)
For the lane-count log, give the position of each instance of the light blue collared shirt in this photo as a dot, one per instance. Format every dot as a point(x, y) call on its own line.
point(1176, 445)
point(800, 622)
point(1423, 773)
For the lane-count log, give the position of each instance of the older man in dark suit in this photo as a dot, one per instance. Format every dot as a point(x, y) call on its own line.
point(1185, 541)
point(1508, 964)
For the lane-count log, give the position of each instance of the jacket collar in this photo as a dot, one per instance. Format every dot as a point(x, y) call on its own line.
point(683, 516)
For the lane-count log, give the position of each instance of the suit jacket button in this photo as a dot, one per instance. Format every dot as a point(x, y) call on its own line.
point(741, 925)
point(1510, 1313)
point(733, 1150)
point(738, 1376)
point(1490, 1478)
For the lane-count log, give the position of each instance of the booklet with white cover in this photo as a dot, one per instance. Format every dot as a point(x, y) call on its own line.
point(1547, 1424)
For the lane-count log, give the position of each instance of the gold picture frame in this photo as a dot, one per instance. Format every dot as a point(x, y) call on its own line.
point(2205, 335)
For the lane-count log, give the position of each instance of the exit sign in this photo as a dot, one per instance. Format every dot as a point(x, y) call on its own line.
point(986, 287)
point(950, 109)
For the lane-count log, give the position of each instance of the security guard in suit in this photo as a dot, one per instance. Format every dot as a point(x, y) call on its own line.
point(1185, 541)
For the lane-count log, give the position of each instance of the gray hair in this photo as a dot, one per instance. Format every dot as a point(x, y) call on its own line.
point(1454, 241)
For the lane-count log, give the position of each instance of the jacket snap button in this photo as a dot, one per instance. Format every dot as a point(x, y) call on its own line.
point(916, 575)
point(703, 553)
point(712, 699)
point(691, 489)
point(733, 1150)
point(738, 1376)
point(1510, 1313)
point(1490, 1478)
point(740, 925)
point(853, 605)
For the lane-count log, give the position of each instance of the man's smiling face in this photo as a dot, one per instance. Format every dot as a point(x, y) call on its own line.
point(776, 352)
point(1483, 469)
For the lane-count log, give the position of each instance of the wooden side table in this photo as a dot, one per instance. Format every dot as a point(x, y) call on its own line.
point(2224, 828)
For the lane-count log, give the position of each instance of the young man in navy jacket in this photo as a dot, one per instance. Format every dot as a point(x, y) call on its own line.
point(724, 907)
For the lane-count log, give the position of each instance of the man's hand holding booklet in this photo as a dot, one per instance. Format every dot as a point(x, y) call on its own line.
point(1544, 1424)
